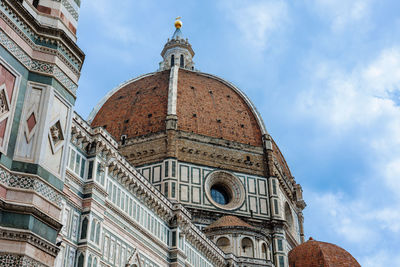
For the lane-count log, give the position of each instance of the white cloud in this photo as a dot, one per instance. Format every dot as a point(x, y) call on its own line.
point(361, 97)
point(257, 20)
point(344, 217)
point(342, 13)
point(382, 258)
point(114, 27)
point(359, 105)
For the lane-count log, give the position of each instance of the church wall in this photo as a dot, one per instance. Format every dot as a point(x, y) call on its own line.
point(127, 222)
point(40, 81)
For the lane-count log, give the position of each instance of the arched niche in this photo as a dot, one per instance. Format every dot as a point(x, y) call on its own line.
point(288, 216)
point(224, 244)
point(247, 247)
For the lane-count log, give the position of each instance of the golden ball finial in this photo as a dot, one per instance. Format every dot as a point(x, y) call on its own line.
point(178, 23)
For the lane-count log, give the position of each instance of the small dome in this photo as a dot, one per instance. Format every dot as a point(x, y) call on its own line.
point(320, 254)
point(228, 221)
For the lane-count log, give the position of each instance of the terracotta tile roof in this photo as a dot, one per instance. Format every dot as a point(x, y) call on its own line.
point(139, 108)
point(315, 254)
point(205, 106)
point(228, 221)
point(208, 107)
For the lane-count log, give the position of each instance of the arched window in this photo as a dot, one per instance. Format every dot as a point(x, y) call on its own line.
point(84, 228)
point(182, 62)
point(95, 262)
point(264, 252)
point(89, 262)
point(172, 60)
point(98, 233)
point(247, 248)
point(224, 244)
point(288, 216)
point(92, 230)
point(81, 259)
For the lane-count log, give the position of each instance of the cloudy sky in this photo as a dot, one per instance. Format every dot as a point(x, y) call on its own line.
point(324, 74)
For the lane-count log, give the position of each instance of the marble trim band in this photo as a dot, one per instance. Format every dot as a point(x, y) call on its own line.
point(35, 65)
point(30, 183)
point(15, 260)
point(77, 2)
point(38, 42)
point(70, 9)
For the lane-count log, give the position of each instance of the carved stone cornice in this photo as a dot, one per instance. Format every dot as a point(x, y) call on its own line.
point(30, 182)
point(16, 207)
point(26, 236)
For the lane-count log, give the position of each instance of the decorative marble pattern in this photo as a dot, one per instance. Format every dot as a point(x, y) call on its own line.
point(25, 182)
point(70, 9)
point(29, 34)
point(10, 260)
point(35, 65)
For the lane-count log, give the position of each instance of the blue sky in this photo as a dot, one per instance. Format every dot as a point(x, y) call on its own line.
point(324, 74)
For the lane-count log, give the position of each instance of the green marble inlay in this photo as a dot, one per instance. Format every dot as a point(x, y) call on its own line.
point(27, 222)
point(98, 199)
point(76, 191)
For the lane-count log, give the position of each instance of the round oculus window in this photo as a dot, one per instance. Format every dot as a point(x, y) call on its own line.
point(224, 190)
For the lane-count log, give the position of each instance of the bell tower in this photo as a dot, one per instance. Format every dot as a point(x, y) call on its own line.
point(40, 65)
point(62, 14)
point(177, 51)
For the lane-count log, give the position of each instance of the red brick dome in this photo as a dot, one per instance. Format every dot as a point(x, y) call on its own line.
point(205, 105)
point(320, 254)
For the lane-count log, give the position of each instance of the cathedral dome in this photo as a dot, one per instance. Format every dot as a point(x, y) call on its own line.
point(202, 103)
point(316, 253)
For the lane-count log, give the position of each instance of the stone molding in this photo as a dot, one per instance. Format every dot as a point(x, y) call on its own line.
point(25, 236)
point(33, 183)
point(33, 210)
